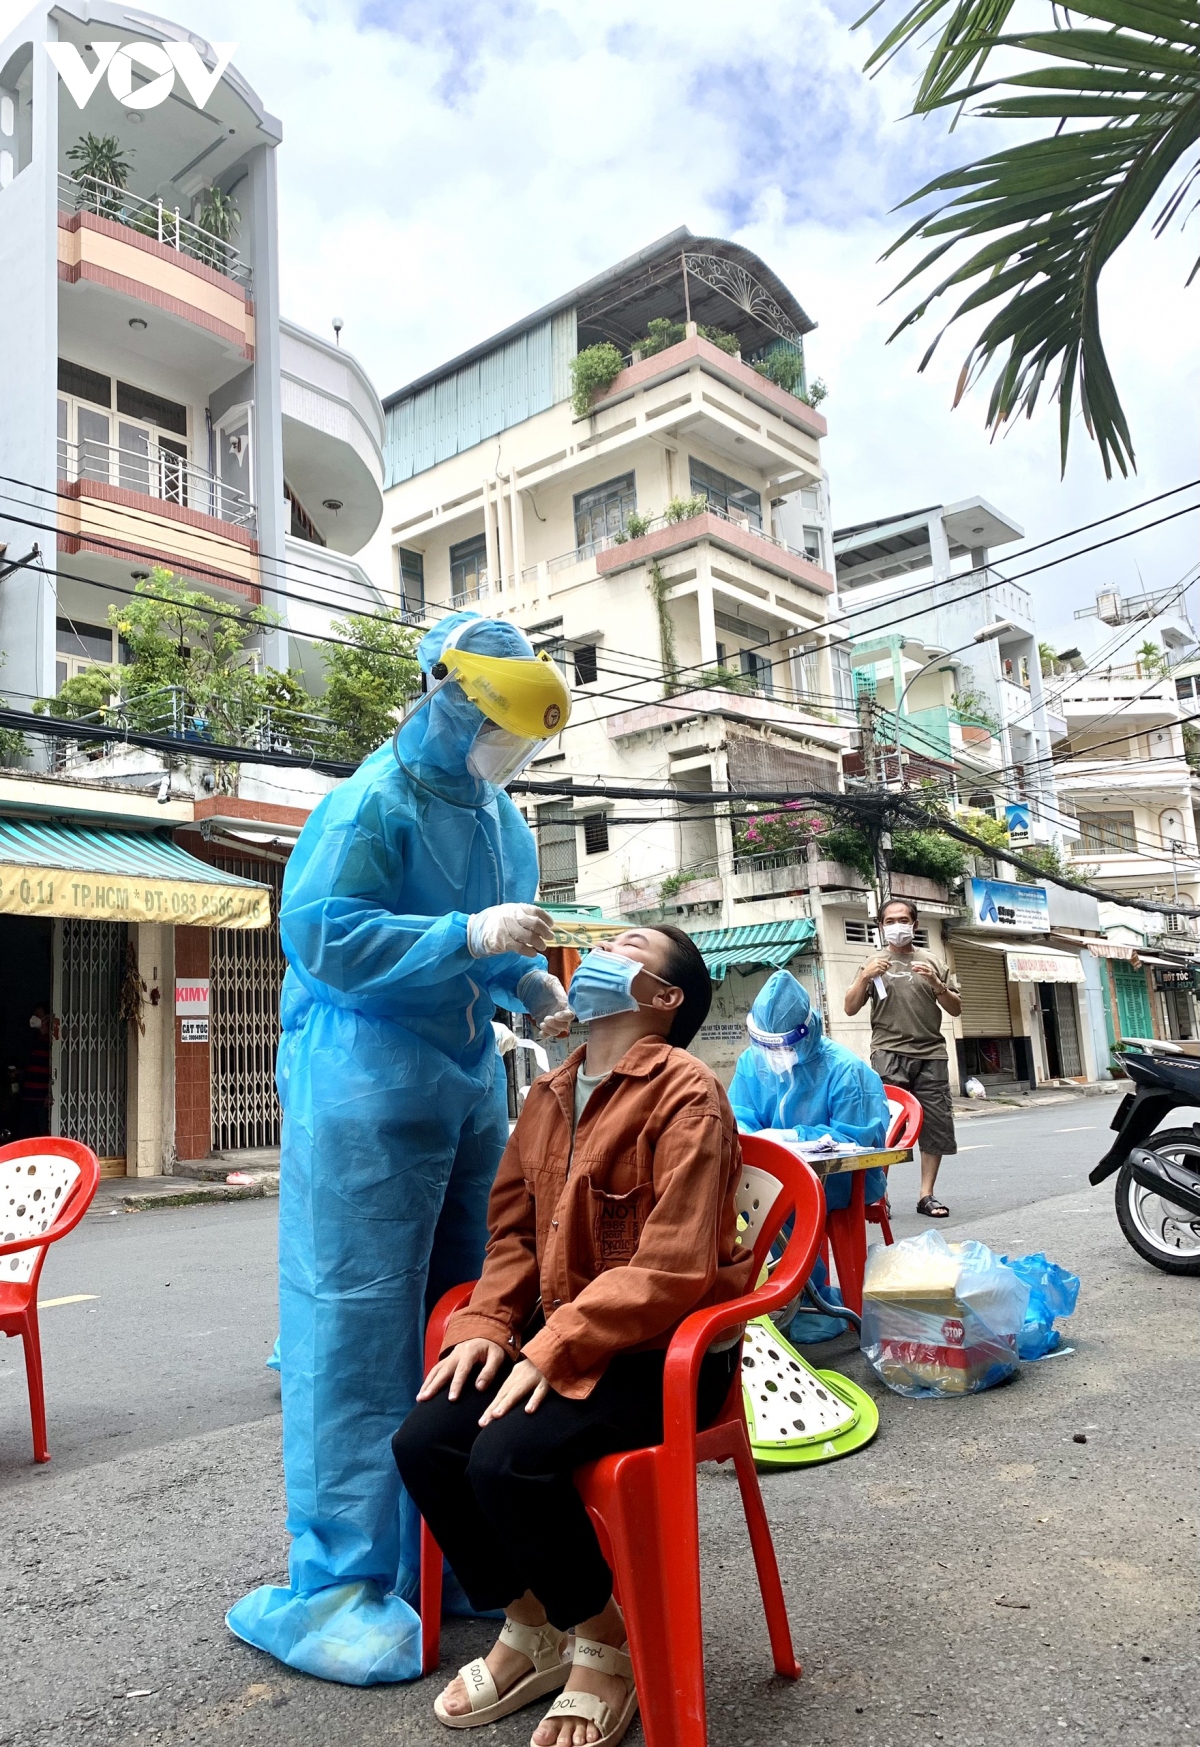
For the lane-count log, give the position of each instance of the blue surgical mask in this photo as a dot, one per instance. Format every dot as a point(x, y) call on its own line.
point(603, 985)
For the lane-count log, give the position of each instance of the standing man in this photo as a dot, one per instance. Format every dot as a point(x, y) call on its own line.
point(407, 917)
point(909, 990)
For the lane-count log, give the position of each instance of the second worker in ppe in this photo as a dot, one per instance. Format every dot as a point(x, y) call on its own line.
point(406, 918)
point(801, 1084)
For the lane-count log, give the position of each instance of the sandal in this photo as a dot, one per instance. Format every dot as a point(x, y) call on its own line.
point(586, 1706)
point(546, 1647)
point(932, 1208)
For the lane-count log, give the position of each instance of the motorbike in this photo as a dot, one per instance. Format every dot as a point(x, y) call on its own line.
point(1157, 1170)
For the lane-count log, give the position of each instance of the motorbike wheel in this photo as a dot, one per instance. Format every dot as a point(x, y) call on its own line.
point(1162, 1233)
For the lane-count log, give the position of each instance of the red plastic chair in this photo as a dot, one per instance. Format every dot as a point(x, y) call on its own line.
point(846, 1227)
point(46, 1187)
point(643, 1502)
point(904, 1130)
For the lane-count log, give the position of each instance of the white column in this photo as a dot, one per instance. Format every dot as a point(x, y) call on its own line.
point(504, 532)
point(489, 532)
point(518, 527)
point(704, 608)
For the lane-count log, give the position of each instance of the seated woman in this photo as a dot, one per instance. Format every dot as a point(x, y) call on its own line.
point(612, 1218)
point(799, 1083)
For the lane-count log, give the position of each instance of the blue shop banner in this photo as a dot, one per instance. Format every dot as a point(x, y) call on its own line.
point(999, 904)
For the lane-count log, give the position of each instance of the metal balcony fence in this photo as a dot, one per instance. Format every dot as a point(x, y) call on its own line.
point(154, 470)
point(169, 710)
point(151, 218)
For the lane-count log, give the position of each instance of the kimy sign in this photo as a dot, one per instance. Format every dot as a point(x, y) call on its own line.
point(39, 891)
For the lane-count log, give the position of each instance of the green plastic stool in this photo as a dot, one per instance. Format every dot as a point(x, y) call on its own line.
point(797, 1415)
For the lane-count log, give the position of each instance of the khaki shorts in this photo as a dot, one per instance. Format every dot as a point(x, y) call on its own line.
point(929, 1083)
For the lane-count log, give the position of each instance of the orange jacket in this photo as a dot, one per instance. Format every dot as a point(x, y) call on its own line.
point(642, 1232)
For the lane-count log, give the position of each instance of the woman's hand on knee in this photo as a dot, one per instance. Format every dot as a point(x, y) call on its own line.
point(524, 1380)
point(456, 1366)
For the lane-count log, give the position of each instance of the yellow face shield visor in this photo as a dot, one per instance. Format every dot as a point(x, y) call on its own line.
point(526, 703)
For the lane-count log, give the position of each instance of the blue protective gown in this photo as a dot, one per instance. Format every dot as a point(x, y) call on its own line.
point(829, 1090)
point(395, 1117)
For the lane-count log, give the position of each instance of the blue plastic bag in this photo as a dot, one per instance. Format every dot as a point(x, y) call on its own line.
point(941, 1319)
point(1052, 1292)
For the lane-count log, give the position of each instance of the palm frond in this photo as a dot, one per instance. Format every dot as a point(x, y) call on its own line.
point(1027, 231)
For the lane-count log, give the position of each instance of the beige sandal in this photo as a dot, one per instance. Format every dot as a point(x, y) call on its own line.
point(546, 1647)
point(586, 1706)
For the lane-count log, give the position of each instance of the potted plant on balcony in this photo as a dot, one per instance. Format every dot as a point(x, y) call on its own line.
point(103, 172)
point(592, 371)
point(216, 218)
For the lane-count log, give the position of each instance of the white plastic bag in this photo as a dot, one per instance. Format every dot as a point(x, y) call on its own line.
point(974, 1088)
point(941, 1318)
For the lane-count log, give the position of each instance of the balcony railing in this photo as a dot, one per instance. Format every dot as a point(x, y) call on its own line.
point(150, 218)
point(155, 471)
point(465, 596)
point(167, 710)
point(648, 525)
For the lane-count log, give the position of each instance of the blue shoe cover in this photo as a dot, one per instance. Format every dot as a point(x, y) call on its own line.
point(352, 1632)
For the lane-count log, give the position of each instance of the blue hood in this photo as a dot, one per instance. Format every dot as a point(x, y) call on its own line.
point(783, 1005)
point(433, 743)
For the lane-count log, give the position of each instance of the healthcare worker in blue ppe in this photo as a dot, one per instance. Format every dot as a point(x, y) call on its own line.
point(798, 1084)
point(406, 918)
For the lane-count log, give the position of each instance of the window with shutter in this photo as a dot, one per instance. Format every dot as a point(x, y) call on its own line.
point(558, 860)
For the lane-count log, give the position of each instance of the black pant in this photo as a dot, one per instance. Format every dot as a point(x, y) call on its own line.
point(500, 1499)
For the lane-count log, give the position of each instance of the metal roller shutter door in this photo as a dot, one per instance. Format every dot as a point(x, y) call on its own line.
point(983, 980)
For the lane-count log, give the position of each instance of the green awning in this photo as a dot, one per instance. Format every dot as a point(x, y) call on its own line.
point(758, 946)
point(120, 876)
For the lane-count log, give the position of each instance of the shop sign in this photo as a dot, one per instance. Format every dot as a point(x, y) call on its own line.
point(1043, 967)
point(1175, 976)
point(1016, 817)
point(1006, 905)
point(191, 997)
point(193, 1031)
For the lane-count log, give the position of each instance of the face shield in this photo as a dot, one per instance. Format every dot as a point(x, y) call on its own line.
point(777, 1048)
point(524, 705)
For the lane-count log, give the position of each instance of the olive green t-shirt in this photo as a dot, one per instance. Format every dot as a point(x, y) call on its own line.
point(909, 1021)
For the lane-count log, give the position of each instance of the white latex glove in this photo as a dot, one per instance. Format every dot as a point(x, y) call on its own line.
point(506, 1040)
point(545, 1000)
point(520, 928)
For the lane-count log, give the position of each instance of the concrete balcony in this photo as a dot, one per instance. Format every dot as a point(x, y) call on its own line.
point(757, 551)
point(333, 434)
point(1140, 700)
point(1125, 780)
point(695, 384)
point(941, 733)
point(152, 506)
point(111, 258)
point(715, 701)
point(324, 585)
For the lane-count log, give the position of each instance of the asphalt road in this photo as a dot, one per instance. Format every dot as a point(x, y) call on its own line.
point(973, 1577)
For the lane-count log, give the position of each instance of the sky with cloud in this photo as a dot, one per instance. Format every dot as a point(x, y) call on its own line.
point(449, 165)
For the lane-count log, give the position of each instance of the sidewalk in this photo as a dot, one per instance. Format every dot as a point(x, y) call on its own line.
point(966, 1108)
point(140, 1194)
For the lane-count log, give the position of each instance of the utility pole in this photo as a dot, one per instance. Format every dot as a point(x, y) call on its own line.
point(881, 841)
point(866, 723)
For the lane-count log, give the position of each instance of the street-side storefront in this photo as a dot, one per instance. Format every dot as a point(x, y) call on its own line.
point(1025, 1015)
point(98, 925)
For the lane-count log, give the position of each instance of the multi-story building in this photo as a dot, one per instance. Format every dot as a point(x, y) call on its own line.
point(669, 542)
point(157, 412)
point(945, 653)
point(1123, 681)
